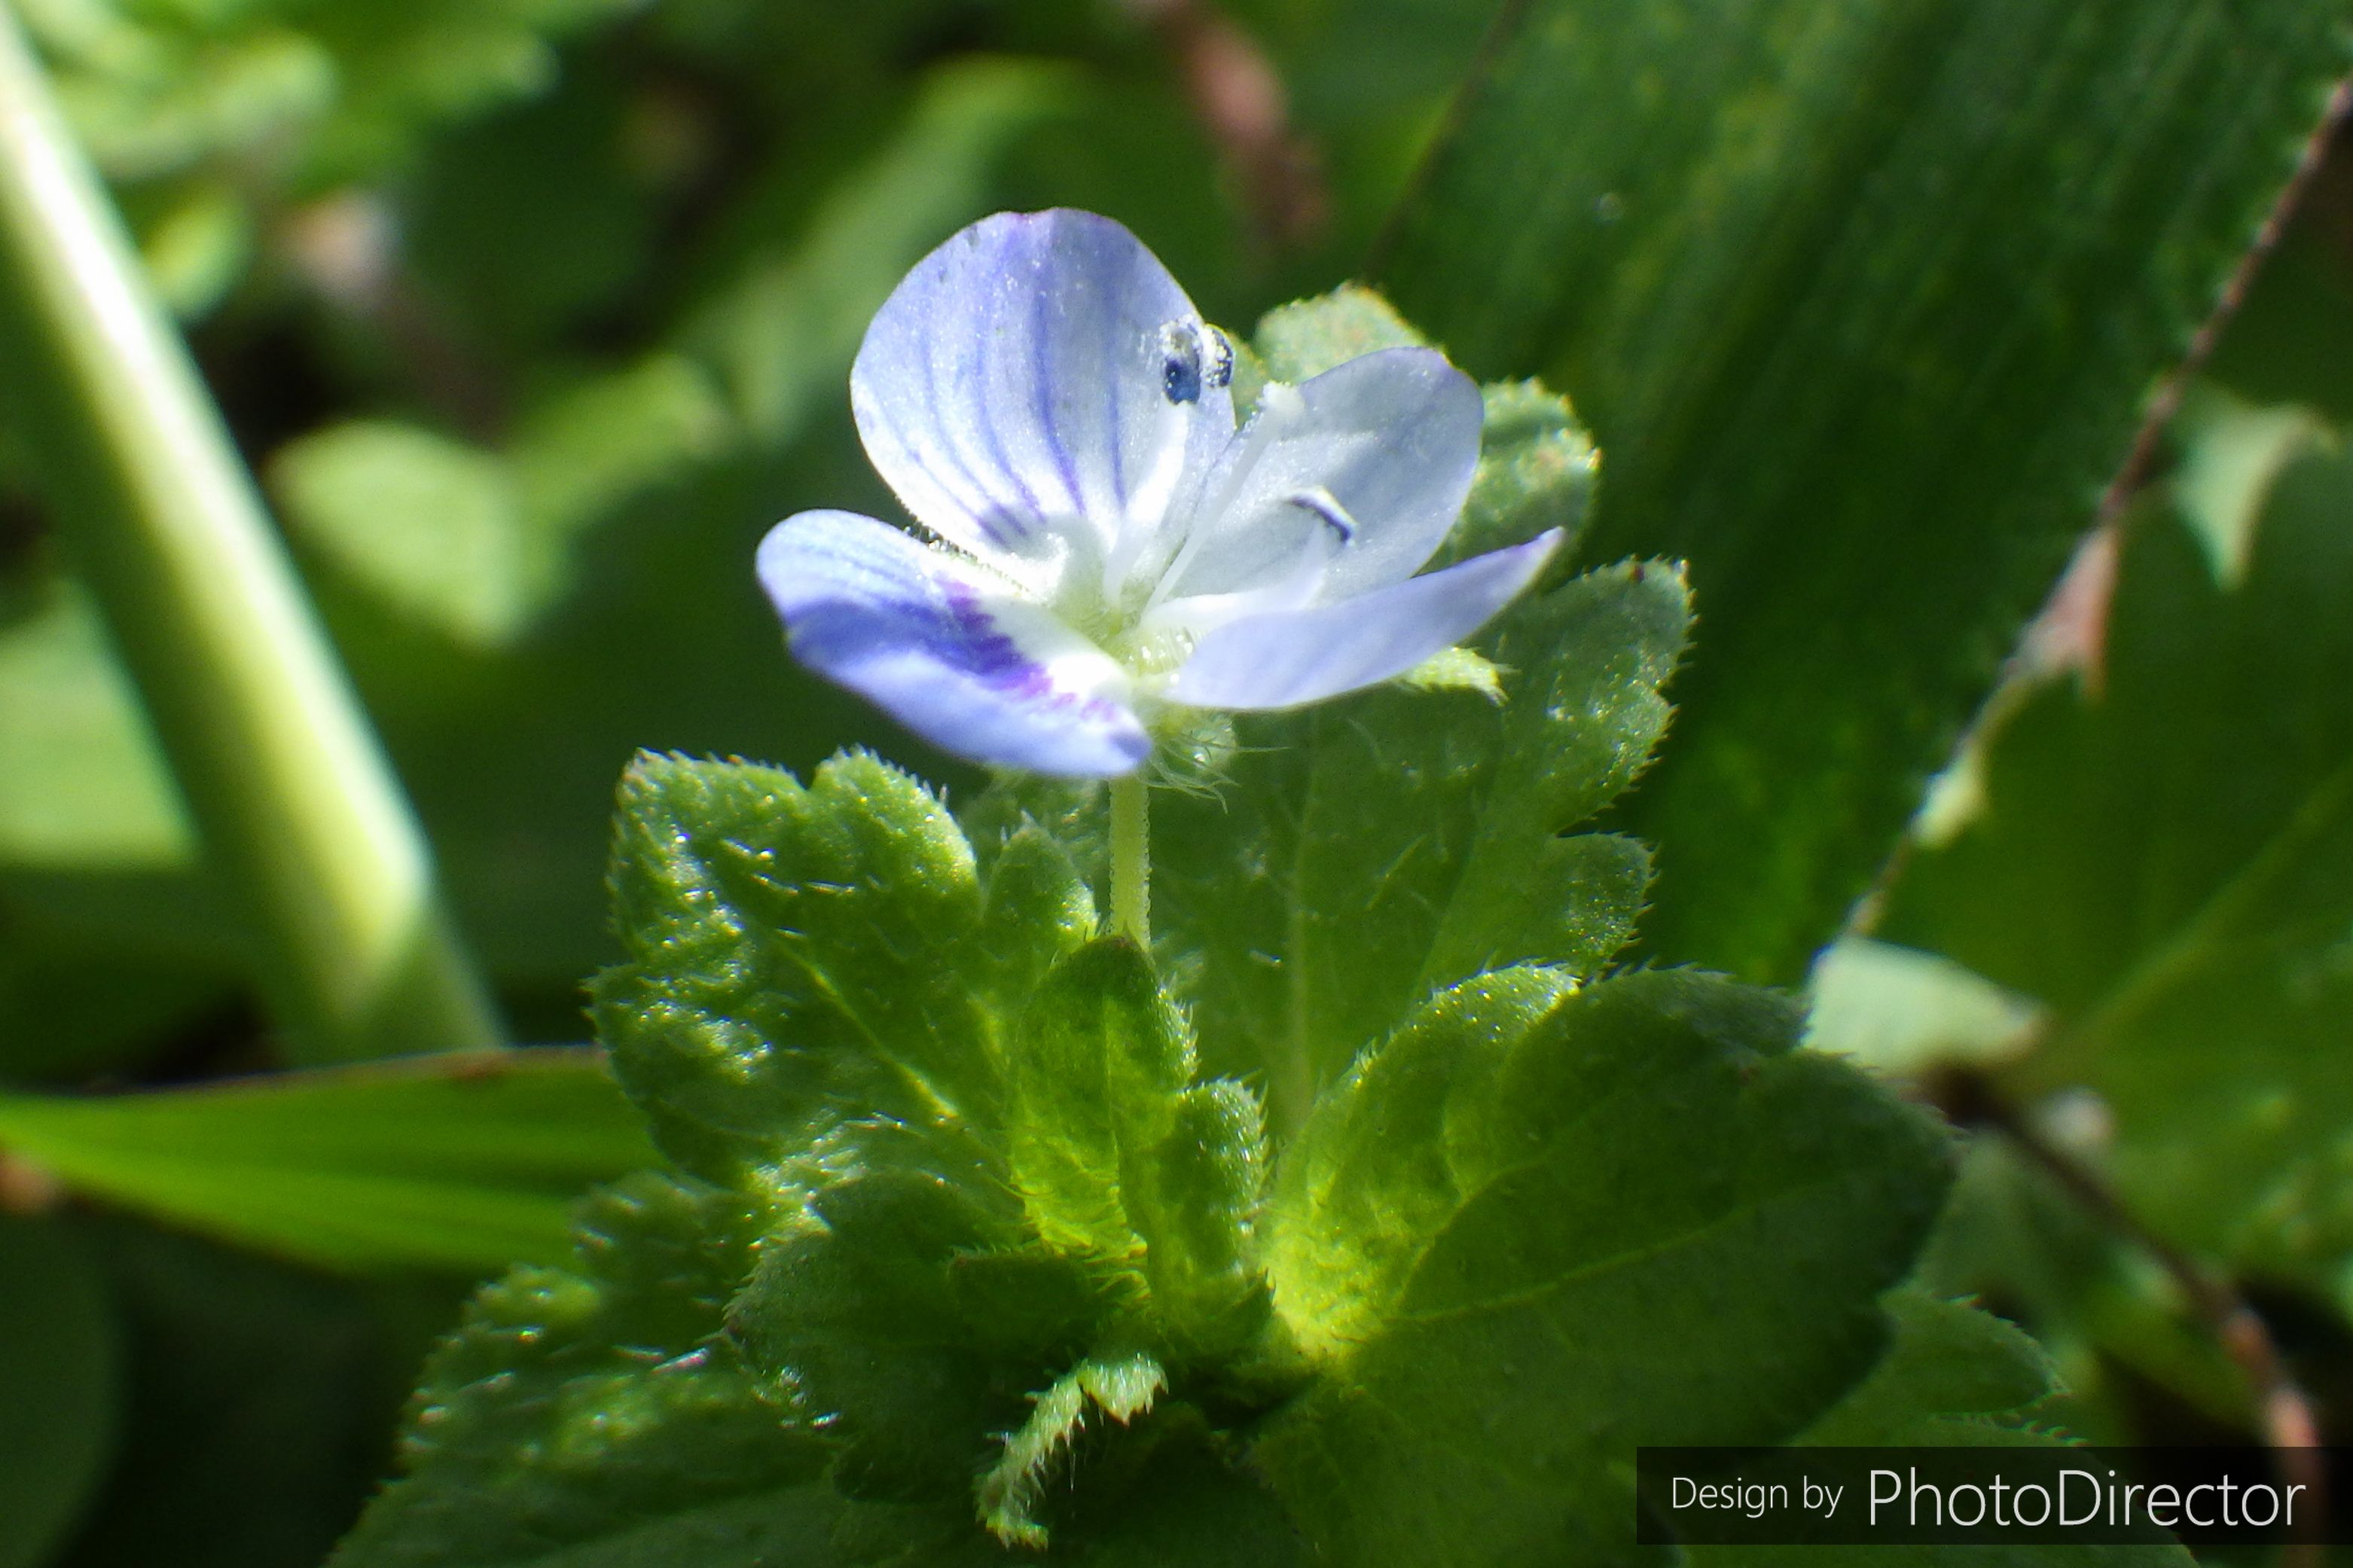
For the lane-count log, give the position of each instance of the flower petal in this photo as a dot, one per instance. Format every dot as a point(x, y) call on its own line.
point(1380, 448)
point(946, 649)
point(1040, 366)
point(1305, 656)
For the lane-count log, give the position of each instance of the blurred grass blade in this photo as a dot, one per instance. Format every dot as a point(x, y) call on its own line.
point(1863, 300)
point(292, 794)
point(458, 1162)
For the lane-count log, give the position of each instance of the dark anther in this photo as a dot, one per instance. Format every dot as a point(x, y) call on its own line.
point(1335, 517)
point(1180, 366)
point(1219, 370)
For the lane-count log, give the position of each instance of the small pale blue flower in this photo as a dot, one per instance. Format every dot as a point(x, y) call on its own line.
point(1105, 547)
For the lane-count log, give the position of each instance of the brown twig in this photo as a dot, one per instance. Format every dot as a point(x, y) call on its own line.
point(2070, 631)
point(1240, 99)
point(2142, 457)
point(2290, 1426)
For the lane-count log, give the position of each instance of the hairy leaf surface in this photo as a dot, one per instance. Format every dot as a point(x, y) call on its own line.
point(1555, 1228)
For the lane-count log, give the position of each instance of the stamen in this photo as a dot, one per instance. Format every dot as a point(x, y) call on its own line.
point(1327, 507)
point(1193, 354)
point(1219, 369)
point(1296, 588)
point(1280, 408)
point(1180, 362)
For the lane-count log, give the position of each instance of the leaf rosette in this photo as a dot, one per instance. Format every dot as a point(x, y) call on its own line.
point(1367, 1218)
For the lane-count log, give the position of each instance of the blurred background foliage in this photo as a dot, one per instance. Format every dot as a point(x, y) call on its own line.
point(533, 314)
point(532, 317)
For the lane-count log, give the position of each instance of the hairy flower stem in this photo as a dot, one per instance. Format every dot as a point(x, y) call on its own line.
point(299, 812)
point(1131, 861)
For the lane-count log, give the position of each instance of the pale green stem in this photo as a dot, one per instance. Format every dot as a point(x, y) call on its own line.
point(294, 799)
point(1131, 862)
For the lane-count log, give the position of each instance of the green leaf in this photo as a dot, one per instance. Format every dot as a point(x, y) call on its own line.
point(1898, 1011)
point(1401, 841)
point(1953, 1377)
point(583, 454)
point(599, 1414)
point(993, 1179)
point(82, 784)
point(901, 1309)
point(1122, 1159)
point(780, 338)
point(431, 525)
point(79, 995)
point(1095, 1070)
point(1308, 337)
point(1040, 910)
point(477, 544)
point(798, 960)
point(1863, 300)
point(595, 1414)
point(435, 1161)
point(1378, 1169)
point(1536, 470)
point(1601, 1173)
point(2113, 1320)
point(2167, 864)
point(58, 1369)
point(257, 1404)
point(1196, 1199)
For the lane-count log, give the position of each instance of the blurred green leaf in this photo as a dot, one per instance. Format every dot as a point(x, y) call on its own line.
point(608, 439)
point(457, 1163)
point(197, 247)
point(432, 525)
point(60, 1368)
point(259, 1400)
point(81, 782)
point(781, 337)
point(1575, 1197)
point(1862, 299)
point(1897, 1011)
point(2110, 1315)
point(90, 992)
point(1949, 1374)
point(2166, 864)
point(1954, 1377)
point(164, 96)
point(2291, 341)
point(477, 543)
